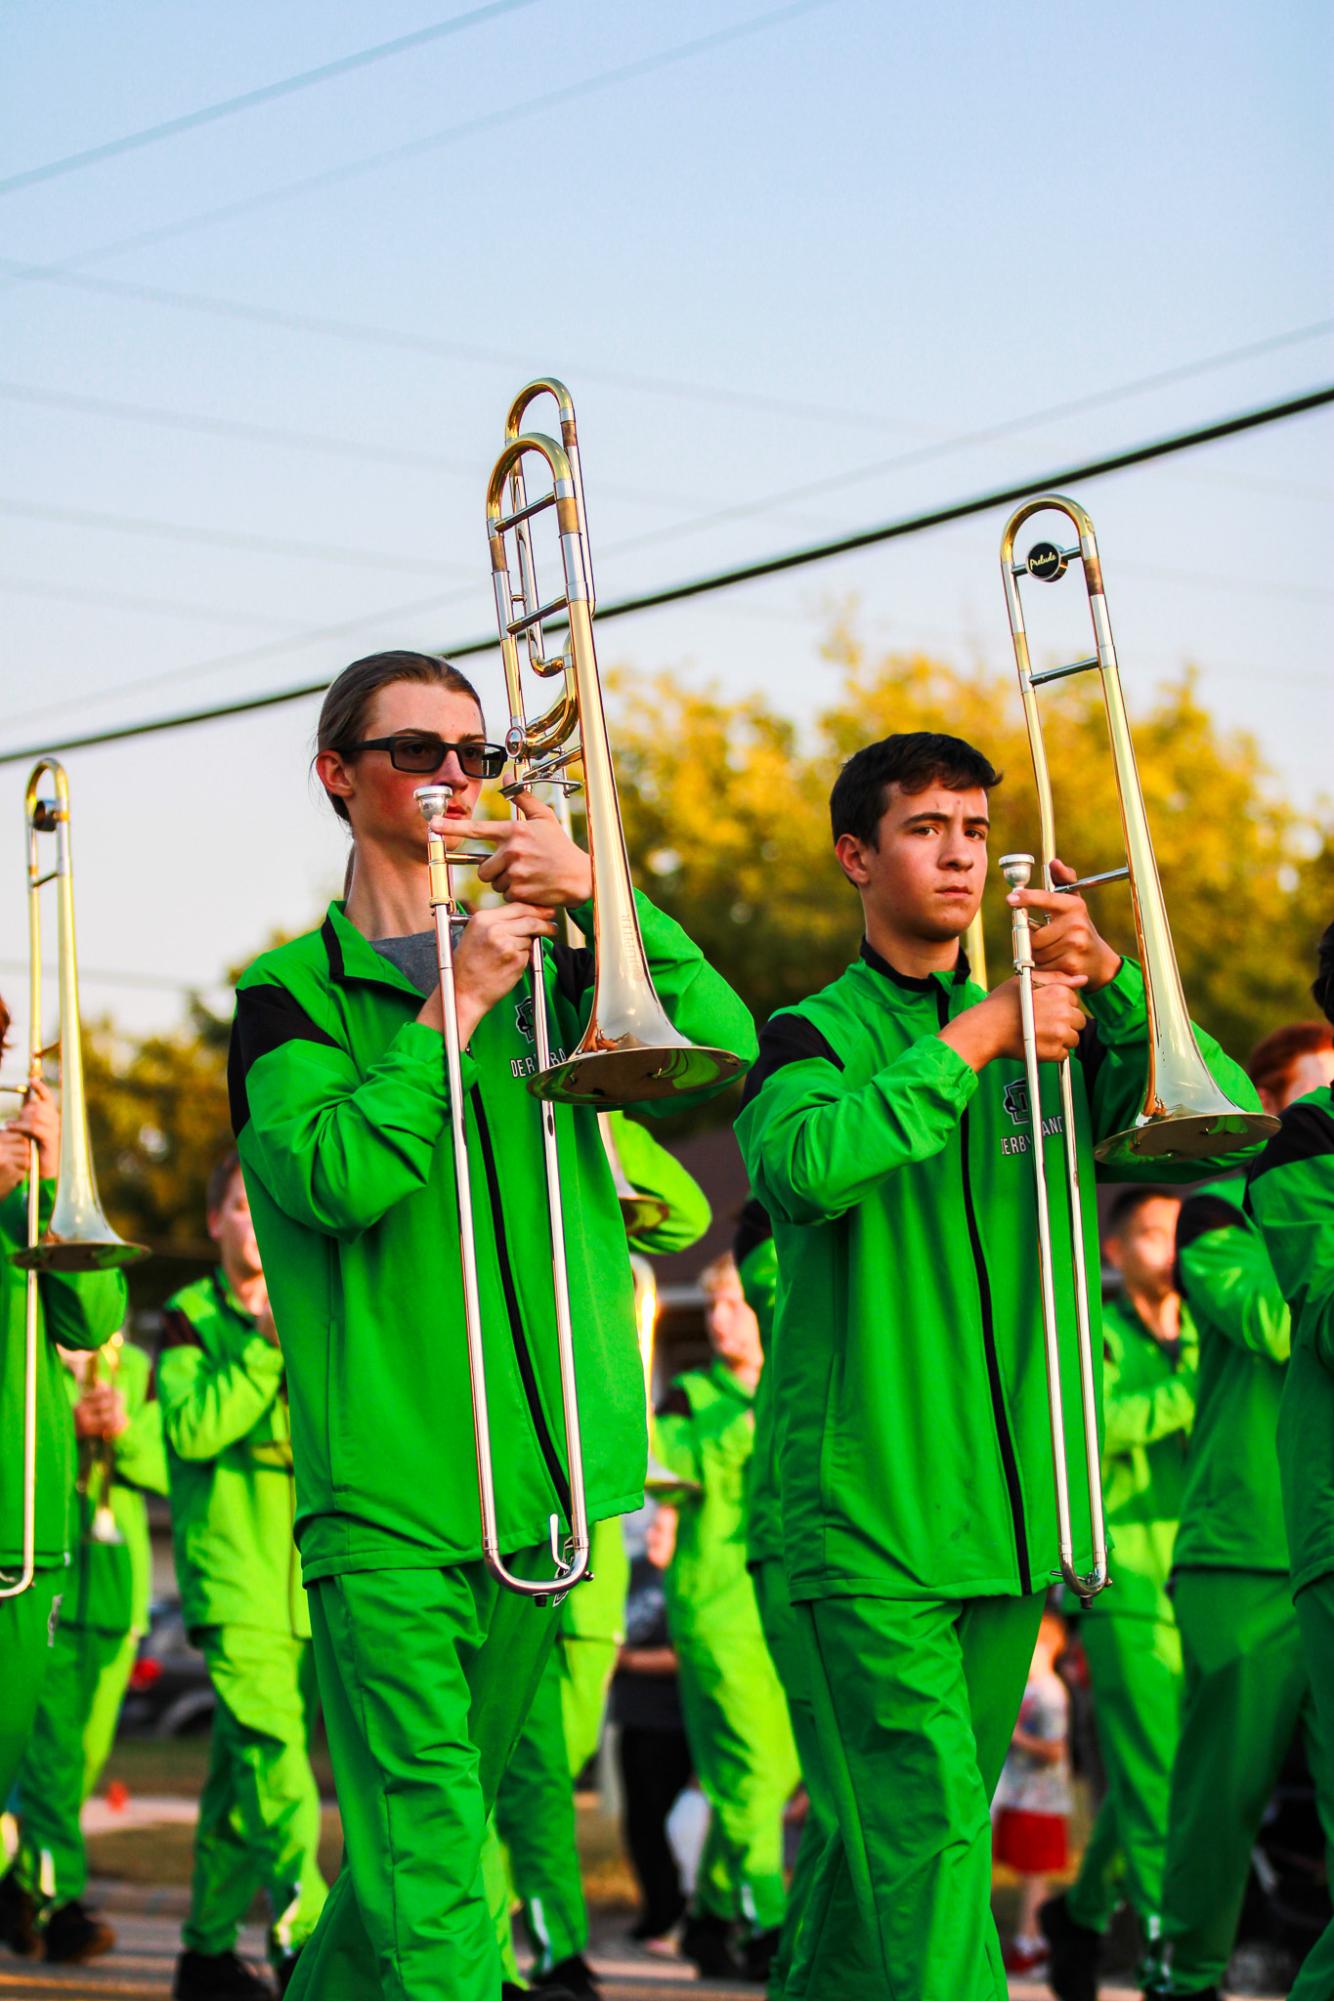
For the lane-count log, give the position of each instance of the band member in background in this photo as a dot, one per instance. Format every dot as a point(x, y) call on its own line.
point(104, 1612)
point(426, 1664)
point(735, 1710)
point(1290, 1194)
point(1247, 1686)
point(885, 1130)
point(222, 1389)
point(535, 1807)
point(1133, 1648)
point(75, 1311)
point(757, 1267)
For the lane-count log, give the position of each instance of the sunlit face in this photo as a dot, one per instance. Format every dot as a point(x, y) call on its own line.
point(734, 1332)
point(1144, 1248)
point(233, 1231)
point(379, 800)
point(926, 874)
point(1310, 1070)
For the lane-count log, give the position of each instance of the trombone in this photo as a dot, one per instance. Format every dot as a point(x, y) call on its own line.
point(1184, 1115)
point(78, 1237)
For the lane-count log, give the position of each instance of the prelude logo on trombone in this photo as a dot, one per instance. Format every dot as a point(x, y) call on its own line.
point(1015, 1102)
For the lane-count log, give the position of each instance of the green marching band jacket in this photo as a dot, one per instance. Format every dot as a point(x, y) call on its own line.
point(910, 1390)
point(340, 1108)
point(74, 1311)
point(1232, 1512)
point(222, 1387)
point(1148, 1396)
point(703, 1430)
point(1290, 1193)
point(111, 1583)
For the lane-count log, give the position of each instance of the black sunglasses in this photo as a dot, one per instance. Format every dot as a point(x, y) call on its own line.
point(424, 755)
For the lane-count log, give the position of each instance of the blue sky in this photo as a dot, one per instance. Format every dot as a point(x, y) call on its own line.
point(835, 235)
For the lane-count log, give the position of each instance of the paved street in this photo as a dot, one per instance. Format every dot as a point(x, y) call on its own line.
point(140, 1970)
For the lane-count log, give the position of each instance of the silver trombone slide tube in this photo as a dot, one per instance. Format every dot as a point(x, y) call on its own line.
point(572, 1560)
point(10, 1586)
point(1017, 870)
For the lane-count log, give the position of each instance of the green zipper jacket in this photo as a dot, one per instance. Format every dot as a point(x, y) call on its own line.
point(340, 1109)
point(229, 1461)
point(757, 1264)
point(704, 1431)
point(111, 1583)
point(1290, 1193)
point(1232, 1514)
point(911, 1403)
point(73, 1312)
point(596, 1610)
point(1148, 1402)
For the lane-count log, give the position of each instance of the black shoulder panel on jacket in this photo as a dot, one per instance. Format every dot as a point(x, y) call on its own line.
point(1204, 1213)
point(1305, 1132)
point(784, 1039)
point(178, 1331)
point(266, 1017)
point(575, 970)
point(753, 1229)
point(675, 1404)
point(1090, 1054)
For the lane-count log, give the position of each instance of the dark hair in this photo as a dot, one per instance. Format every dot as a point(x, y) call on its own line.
point(343, 711)
point(220, 1180)
point(1270, 1063)
point(1322, 987)
point(4, 1024)
point(911, 760)
point(1127, 1203)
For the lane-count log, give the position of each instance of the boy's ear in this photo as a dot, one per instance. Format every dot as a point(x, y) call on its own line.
point(852, 859)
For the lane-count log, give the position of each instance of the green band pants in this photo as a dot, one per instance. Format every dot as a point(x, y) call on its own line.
point(1137, 1685)
point(27, 1632)
point(426, 1677)
point(71, 1739)
point(259, 1813)
point(915, 1703)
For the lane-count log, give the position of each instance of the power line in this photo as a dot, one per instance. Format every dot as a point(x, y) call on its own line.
point(226, 107)
point(488, 121)
point(792, 559)
point(30, 587)
point(226, 538)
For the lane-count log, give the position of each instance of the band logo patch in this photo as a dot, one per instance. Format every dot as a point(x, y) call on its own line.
point(523, 1017)
point(1015, 1101)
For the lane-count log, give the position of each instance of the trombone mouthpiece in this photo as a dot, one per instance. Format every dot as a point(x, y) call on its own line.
point(1015, 868)
point(432, 799)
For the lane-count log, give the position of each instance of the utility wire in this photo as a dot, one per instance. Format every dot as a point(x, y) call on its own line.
point(449, 135)
point(396, 455)
point(226, 538)
point(286, 86)
point(792, 559)
point(51, 593)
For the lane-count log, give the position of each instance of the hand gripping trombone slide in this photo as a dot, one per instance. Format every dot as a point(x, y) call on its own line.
point(78, 1236)
point(1017, 870)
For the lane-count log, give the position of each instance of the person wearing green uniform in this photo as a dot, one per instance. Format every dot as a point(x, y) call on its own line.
point(103, 1614)
point(886, 1131)
point(427, 1665)
point(222, 1388)
point(74, 1311)
point(731, 1698)
point(1290, 1195)
point(1129, 1632)
point(1247, 1688)
point(535, 1806)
